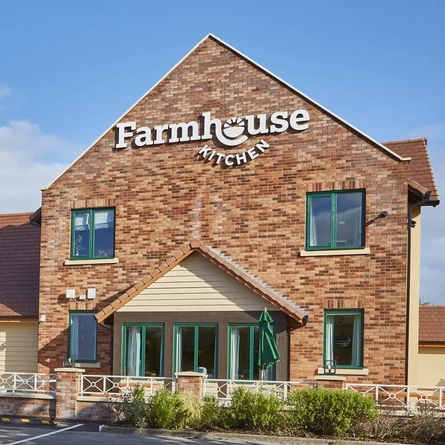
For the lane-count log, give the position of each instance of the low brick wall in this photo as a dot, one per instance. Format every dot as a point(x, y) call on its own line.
point(95, 409)
point(67, 404)
point(29, 405)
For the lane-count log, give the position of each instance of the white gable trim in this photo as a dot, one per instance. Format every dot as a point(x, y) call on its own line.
point(385, 149)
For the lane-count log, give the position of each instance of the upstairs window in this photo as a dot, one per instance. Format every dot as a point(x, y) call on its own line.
point(92, 233)
point(335, 220)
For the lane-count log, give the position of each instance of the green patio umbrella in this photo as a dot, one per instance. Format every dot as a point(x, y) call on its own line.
point(268, 350)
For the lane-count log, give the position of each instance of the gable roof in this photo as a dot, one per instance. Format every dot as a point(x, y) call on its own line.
point(216, 257)
point(419, 169)
point(382, 147)
point(19, 267)
point(431, 322)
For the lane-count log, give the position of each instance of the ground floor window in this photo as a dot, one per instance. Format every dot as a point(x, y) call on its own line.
point(82, 336)
point(243, 353)
point(196, 347)
point(343, 341)
point(143, 349)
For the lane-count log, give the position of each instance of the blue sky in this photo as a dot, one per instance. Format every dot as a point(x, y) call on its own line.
point(68, 70)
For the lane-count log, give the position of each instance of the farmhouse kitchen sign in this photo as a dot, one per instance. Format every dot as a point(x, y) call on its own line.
point(231, 133)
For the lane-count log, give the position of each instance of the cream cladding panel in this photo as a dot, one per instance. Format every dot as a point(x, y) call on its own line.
point(196, 284)
point(18, 347)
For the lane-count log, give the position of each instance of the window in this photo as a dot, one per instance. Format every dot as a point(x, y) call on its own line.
point(83, 336)
point(142, 352)
point(335, 220)
point(244, 341)
point(92, 233)
point(196, 347)
point(343, 338)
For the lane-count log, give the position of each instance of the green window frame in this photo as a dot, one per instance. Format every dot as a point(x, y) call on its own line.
point(343, 340)
point(93, 233)
point(335, 220)
point(238, 346)
point(139, 366)
point(198, 335)
point(82, 336)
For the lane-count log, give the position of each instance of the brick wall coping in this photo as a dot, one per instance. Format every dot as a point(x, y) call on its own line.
point(103, 399)
point(15, 395)
point(78, 370)
point(190, 374)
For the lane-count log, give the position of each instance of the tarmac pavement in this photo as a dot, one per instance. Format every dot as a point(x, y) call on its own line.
point(85, 434)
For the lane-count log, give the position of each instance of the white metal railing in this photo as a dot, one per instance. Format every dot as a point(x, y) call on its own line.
point(222, 389)
point(24, 382)
point(401, 396)
point(116, 386)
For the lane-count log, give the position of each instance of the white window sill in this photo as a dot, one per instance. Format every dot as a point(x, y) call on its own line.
point(342, 371)
point(87, 365)
point(331, 377)
point(365, 251)
point(95, 261)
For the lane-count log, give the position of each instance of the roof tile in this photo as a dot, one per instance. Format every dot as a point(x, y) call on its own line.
point(19, 266)
point(419, 168)
point(431, 320)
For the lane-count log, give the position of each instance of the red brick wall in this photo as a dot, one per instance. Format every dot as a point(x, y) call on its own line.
point(24, 406)
point(96, 411)
point(254, 213)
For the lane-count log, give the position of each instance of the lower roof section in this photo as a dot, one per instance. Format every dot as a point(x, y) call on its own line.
point(270, 298)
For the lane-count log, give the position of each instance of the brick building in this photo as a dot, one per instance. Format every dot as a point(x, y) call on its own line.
point(223, 191)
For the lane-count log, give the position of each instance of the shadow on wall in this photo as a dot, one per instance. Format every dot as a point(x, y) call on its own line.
point(53, 354)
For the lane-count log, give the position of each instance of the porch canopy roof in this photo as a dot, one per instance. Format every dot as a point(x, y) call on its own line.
point(218, 258)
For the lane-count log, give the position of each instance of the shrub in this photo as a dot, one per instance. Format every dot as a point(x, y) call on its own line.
point(133, 409)
point(329, 412)
point(214, 415)
point(256, 411)
point(388, 427)
point(192, 408)
point(166, 410)
point(427, 425)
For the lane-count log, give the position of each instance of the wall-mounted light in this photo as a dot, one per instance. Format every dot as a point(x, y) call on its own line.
point(42, 318)
point(70, 293)
point(383, 214)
